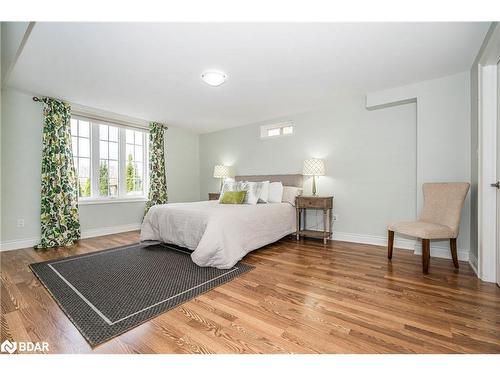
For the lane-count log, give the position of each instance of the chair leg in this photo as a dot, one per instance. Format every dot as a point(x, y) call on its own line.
point(390, 243)
point(426, 255)
point(453, 248)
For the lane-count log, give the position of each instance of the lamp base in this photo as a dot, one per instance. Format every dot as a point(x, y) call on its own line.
point(314, 187)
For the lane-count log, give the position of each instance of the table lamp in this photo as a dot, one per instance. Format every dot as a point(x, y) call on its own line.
point(314, 167)
point(222, 172)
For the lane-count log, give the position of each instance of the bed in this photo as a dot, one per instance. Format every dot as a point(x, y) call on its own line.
point(222, 234)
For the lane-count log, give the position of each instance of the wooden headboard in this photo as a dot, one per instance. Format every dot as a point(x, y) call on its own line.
point(296, 180)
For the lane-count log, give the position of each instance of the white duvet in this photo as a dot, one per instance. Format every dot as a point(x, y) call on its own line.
point(219, 234)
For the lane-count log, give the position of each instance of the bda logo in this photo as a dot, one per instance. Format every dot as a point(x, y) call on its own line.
point(9, 347)
point(24, 346)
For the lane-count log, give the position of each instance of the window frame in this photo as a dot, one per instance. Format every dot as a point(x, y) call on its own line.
point(264, 130)
point(122, 163)
point(78, 156)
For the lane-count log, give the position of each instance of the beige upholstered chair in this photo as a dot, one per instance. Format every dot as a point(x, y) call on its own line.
point(440, 219)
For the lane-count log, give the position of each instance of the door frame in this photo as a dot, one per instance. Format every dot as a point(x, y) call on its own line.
point(497, 253)
point(487, 155)
point(487, 199)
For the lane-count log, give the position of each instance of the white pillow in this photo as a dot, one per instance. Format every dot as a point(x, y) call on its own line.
point(230, 186)
point(289, 194)
point(275, 192)
point(264, 194)
point(253, 190)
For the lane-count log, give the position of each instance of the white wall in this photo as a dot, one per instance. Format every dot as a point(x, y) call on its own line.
point(370, 159)
point(474, 170)
point(443, 138)
point(12, 35)
point(182, 164)
point(376, 159)
point(20, 169)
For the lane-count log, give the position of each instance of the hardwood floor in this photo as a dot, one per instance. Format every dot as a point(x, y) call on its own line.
point(303, 297)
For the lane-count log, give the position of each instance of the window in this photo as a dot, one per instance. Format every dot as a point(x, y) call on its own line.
point(134, 175)
point(276, 130)
point(80, 136)
point(110, 160)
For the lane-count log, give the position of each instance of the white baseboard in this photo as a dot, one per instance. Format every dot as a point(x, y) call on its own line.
point(401, 243)
point(473, 263)
point(369, 239)
point(86, 233)
point(444, 252)
point(96, 232)
point(18, 244)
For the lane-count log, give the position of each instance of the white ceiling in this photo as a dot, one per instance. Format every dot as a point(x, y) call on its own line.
point(152, 71)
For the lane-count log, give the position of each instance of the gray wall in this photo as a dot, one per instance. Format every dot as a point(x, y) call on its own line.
point(377, 160)
point(21, 157)
point(443, 139)
point(474, 163)
point(12, 35)
point(370, 160)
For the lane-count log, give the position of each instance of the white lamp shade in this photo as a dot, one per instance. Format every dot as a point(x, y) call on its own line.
point(222, 171)
point(314, 167)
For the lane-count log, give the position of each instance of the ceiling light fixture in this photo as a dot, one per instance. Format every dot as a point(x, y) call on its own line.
point(214, 78)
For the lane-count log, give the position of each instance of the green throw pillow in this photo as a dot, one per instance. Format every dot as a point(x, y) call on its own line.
point(233, 197)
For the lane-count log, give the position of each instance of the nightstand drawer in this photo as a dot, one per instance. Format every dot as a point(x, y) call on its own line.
point(213, 196)
point(313, 202)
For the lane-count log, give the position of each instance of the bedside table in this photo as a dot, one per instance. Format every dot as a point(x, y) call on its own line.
point(213, 196)
point(303, 203)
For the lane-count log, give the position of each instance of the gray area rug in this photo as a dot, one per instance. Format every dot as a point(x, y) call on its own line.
point(108, 292)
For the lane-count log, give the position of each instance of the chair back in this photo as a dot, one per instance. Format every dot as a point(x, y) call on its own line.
point(443, 203)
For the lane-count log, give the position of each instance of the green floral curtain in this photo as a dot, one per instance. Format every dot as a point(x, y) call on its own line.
point(60, 225)
point(157, 176)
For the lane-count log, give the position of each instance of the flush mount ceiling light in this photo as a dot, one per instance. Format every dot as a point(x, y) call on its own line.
point(214, 78)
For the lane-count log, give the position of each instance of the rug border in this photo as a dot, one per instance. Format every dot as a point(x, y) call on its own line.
point(94, 345)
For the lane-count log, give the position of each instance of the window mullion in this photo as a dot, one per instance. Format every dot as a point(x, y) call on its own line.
point(145, 165)
point(122, 162)
point(94, 159)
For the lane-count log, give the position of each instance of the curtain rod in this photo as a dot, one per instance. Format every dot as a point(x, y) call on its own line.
point(165, 127)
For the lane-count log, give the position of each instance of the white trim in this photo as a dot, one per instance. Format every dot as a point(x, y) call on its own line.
point(373, 240)
point(401, 243)
point(108, 118)
point(95, 162)
point(86, 233)
point(18, 244)
point(443, 252)
point(369, 239)
point(487, 172)
point(88, 202)
point(486, 60)
point(473, 263)
point(97, 232)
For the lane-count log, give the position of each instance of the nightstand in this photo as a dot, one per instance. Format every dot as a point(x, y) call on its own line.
point(213, 196)
point(303, 203)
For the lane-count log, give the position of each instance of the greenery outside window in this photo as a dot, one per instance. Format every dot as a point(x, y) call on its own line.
point(110, 160)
